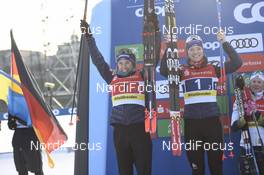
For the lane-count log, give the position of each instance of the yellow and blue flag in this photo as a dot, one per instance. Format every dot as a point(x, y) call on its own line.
point(12, 96)
point(5, 83)
point(17, 105)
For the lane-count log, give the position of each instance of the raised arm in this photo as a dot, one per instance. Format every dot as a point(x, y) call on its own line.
point(97, 58)
point(235, 61)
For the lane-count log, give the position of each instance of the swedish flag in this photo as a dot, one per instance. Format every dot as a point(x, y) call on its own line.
point(5, 83)
point(11, 97)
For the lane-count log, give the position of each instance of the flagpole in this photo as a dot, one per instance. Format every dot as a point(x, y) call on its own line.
point(224, 79)
point(78, 64)
point(81, 161)
point(85, 10)
point(11, 72)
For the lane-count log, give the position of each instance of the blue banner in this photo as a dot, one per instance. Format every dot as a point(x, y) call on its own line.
point(243, 23)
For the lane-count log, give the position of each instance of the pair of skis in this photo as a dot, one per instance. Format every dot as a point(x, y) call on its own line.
point(173, 66)
point(150, 58)
point(248, 159)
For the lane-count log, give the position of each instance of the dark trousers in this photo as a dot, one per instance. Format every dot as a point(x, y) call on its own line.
point(26, 157)
point(133, 147)
point(245, 164)
point(207, 132)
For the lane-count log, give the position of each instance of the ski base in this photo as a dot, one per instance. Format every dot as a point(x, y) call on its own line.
point(176, 132)
point(150, 121)
point(248, 165)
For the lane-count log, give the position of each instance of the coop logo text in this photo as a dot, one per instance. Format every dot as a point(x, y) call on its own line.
point(254, 11)
point(158, 10)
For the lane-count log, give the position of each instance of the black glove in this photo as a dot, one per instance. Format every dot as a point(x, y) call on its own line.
point(241, 122)
point(11, 122)
point(154, 19)
point(259, 118)
point(85, 28)
point(257, 114)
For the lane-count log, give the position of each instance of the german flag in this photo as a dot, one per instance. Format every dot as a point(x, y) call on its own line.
point(46, 126)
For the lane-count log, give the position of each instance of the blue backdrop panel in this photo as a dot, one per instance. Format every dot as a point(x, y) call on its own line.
point(101, 27)
point(240, 19)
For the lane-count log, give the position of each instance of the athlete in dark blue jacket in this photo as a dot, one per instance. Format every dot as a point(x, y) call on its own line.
point(201, 113)
point(133, 145)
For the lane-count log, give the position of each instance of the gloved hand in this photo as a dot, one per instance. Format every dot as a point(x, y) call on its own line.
point(221, 36)
point(156, 21)
point(257, 114)
point(261, 121)
point(85, 28)
point(241, 122)
point(250, 107)
point(259, 118)
point(11, 122)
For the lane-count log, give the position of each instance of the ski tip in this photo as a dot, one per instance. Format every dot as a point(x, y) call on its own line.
point(153, 135)
point(224, 157)
point(231, 154)
point(177, 152)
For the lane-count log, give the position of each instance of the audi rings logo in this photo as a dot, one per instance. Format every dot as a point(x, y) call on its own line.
point(244, 43)
point(255, 13)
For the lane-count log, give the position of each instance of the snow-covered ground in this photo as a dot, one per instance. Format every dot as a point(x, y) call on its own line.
point(64, 164)
point(64, 159)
